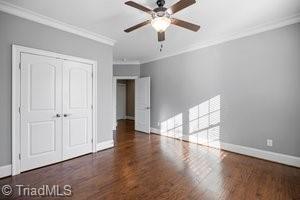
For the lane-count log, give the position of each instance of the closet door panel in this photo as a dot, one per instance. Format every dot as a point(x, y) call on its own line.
point(77, 109)
point(41, 101)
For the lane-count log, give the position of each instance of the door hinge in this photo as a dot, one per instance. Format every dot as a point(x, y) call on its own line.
point(20, 65)
point(19, 156)
point(92, 106)
point(92, 140)
point(92, 75)
point(19, 110)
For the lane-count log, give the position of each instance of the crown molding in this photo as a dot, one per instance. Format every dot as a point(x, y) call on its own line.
point(41, 19)
point(135, 62)
point(252, 31)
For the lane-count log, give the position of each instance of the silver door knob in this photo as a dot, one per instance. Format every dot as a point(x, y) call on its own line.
point(58, 115)
point(66, 115)
point(148, 108)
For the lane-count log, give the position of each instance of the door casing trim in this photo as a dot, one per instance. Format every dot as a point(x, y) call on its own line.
point(16, 90)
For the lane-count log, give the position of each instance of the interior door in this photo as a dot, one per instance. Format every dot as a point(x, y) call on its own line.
point(77, 109)
point(121, 101)
point(142, 104)
point(41, 133)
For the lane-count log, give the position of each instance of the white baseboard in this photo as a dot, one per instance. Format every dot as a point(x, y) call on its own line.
point(154, 130)
point(266, 155)
point(129, 117)
point(185, 138)
point(5, 171)
point(114, 126)
point(249, 151)
point(105, 145)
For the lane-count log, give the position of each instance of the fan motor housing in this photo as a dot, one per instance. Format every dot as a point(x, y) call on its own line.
point(160, 9)
point(160, 13)
point(160, 3)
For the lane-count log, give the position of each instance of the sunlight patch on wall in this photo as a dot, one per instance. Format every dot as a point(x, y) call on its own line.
point(172, 127)
point(204, 123)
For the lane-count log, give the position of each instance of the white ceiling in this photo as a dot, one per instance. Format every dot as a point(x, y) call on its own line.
point(218, 19)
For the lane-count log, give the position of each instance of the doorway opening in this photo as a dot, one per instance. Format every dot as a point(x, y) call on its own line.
point(125, 100)
point(138, 107)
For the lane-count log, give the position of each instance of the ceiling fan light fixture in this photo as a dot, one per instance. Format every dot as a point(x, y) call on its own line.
point(160, 24)
point(161, 17)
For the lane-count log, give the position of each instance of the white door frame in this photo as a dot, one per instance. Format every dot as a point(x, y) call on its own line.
point(16, 76)
point(115, 79)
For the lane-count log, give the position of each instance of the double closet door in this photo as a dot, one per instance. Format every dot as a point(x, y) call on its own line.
point(56, 110)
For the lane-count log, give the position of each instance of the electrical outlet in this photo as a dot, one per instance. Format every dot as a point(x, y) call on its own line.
point(269, 142)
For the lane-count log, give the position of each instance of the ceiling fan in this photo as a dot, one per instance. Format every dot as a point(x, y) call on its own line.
point(161, 17)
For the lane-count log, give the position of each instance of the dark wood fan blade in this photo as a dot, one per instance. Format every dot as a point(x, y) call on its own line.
point(138, 6)
point(180, 5)
point(161, 36)
point(137, 26)
point(184, 24)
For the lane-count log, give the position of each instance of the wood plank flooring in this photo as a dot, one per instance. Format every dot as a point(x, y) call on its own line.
point(143, 166)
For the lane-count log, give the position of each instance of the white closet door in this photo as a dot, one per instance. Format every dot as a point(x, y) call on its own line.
point(41, 124)
point(77, 109)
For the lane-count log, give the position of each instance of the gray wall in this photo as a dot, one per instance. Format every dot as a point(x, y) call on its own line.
point(257, 77)
point(126, 70)
point(14, 30)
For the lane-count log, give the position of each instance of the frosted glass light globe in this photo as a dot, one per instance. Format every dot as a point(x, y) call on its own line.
point(160, 24)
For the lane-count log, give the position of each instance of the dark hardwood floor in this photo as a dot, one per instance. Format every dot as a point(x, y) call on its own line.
point(143, 166)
